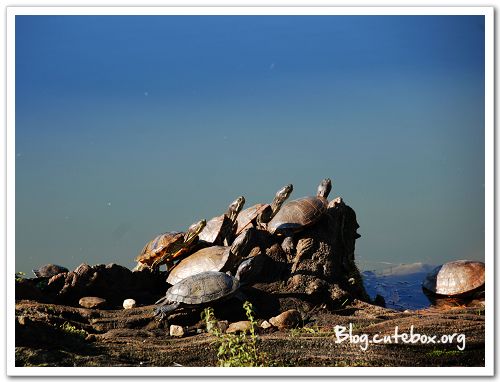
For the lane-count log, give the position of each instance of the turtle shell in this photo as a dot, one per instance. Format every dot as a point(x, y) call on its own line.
point(207, 259)
point(158, 246)
point(202, 288)
point(247, 216)
point(213, 230)
point(455, 278)
point(297, 214)
point(49, 270)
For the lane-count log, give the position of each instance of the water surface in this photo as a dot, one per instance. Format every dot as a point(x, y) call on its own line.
point(130, 126)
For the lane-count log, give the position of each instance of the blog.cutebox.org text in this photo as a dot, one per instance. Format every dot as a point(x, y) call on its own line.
point(343, 334)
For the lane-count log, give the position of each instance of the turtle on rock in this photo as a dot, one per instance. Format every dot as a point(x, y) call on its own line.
point(49, 270)
point(203, 289)
point(260, 214)
point(220, 229)
point(215, 258)
point(456, 278)
point(297, 214)
point(167, 247)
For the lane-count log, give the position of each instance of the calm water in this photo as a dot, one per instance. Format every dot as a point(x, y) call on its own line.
point(400, 285)
point(127, 127)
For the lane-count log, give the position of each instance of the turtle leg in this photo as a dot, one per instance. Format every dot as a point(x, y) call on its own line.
point(288, 245)
point(163, 311)
point(244, 298)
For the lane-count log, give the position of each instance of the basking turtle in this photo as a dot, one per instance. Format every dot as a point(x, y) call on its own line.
point(455, 278)
point(260, 214)
point(203, 288)
point(219, 230)
point(300, 213)
point(164, 248)
point(49, 270)
point(216, 258)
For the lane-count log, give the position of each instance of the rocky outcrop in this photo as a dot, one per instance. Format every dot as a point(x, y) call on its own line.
point(319, 271)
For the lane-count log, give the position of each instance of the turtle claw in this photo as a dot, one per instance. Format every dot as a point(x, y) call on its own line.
point(159, 314)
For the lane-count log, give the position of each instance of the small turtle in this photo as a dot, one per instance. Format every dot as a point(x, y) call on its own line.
point(164, 248)
point(300, 213)
point(220, 229)
point(455, 278)
point(203, 288)
point(216, 258)
point(260, 214)
point(49, 270)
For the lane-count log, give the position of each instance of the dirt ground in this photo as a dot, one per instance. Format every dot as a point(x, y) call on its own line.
point(60, 335)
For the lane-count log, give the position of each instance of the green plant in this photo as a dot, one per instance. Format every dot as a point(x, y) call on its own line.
point(236, 350)
point(314, 331)
point(20, 276)
point(443, 353)
point(70, 329)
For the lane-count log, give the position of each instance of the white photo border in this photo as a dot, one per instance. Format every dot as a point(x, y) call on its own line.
point(487, 12)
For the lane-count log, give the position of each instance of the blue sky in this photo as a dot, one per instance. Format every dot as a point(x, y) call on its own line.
point(129, 126)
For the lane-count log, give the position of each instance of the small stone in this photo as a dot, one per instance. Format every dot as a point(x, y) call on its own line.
point(23, 320)
point(92, 302)
point(265, 325)
point(335, 202)
point(238, 327)
point(199, 331)
point(176, 331)
point(129, 303)
point(287, 320)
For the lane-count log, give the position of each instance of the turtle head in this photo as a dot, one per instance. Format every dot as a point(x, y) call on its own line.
point(280, 197)
point(245, 270)
point(193, 231)
point(241, 242)
point(283, 193)
point(235, 207)
point(324, 188)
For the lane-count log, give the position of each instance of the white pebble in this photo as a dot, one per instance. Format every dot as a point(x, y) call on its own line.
point(176, 331)
point(265, 325)
point(129, 303)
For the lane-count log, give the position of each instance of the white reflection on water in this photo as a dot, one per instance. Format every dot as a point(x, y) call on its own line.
point(400, 285)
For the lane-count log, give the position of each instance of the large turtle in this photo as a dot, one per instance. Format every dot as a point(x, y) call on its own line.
point(260, 214)
point(220, 229)
point(50, 270)
point(455, 278)
point(203, 288)
point(164, 248)
point(300, 213)
point(215, 258)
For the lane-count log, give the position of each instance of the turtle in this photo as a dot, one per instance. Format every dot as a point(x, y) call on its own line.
point(215, 258)
point(202, 289)
point(164, 248)
point(455, 278)
point(260, 214)
point(300, 213)
point(220, 229)
point(49, 270)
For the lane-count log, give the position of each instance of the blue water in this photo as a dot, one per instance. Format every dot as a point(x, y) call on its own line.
point(127, 127)
point(400, 290)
